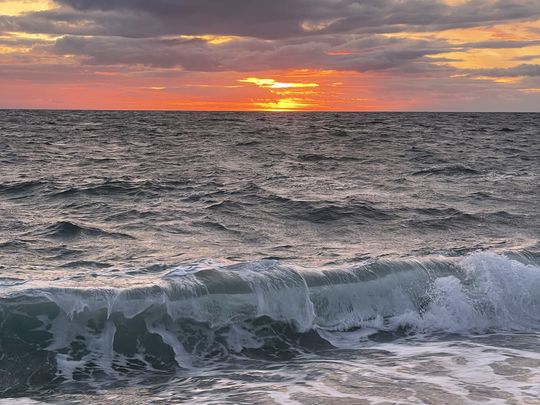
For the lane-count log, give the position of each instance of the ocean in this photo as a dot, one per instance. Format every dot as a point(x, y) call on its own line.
point(269, 258)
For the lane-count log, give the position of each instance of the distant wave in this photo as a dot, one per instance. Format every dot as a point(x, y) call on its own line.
point(117, 187)
point(447, 218)
point(312, 157)
point(19, 187)
point(316, 211)
point(451, 170)
point(71, 230)
point(202, 313)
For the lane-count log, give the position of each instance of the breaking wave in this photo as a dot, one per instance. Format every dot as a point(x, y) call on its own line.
point(198, 314)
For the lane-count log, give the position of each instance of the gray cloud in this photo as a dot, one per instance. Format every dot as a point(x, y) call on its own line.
point(262, 18)
point(282, 34)
point(527, 58)
point(500, 44)
point(363, 54)
point(521, 70)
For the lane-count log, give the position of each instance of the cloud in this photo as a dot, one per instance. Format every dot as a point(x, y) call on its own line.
point(317, 34)
point(262, 18)
point(518, 71)
point(246, 55)
point(272, 84)
point(527, 58)
point(500, 44)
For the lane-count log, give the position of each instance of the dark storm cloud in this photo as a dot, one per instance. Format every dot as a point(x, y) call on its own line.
point(262, 18)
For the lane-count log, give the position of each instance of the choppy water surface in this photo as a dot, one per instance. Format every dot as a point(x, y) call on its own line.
point(269, 258)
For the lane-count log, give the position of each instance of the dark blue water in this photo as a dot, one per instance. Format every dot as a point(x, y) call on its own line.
point(270, 258)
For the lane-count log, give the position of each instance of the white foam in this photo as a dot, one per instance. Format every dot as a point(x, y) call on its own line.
point(497, 293)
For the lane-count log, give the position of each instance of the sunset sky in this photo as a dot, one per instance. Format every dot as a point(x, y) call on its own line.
point(345, 55)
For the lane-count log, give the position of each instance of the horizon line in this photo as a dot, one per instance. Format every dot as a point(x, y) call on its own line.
point(270, 111)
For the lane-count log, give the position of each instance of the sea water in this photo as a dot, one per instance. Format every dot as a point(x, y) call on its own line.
point(302, 258)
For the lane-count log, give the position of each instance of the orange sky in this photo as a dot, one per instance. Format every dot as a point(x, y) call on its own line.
point(64, 55)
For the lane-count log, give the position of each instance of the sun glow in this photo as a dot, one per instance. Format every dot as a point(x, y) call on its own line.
point(531, 91)
point(272, 84)
point(290, 96)
point(211, 39)
point(508, 80)
point(283, 104)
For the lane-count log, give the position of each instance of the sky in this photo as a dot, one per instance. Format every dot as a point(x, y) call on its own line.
point(271, 55)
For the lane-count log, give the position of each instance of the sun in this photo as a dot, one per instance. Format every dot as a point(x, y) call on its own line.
point(289, 96)
point(283, 104)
